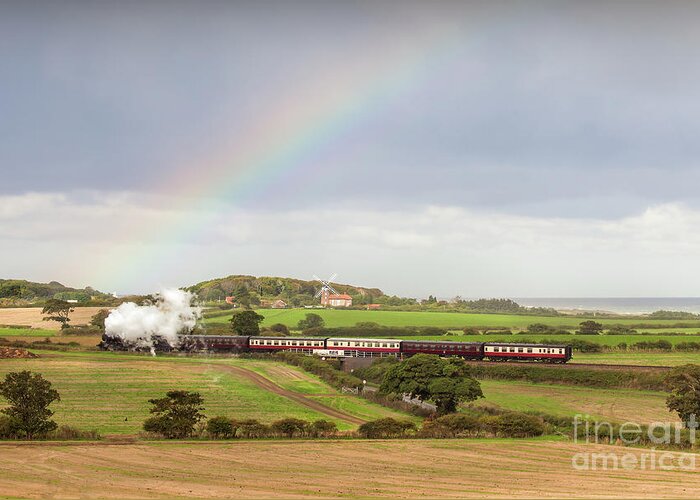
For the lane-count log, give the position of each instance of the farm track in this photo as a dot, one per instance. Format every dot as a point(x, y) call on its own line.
point(270, 386)
point(576, 366)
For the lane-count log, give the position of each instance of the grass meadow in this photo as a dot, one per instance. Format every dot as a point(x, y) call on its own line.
point(613, 405)
point(109, 392)
point(340, 318)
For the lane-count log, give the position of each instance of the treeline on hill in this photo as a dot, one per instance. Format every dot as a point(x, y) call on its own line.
point(252, 290)
point(22, 292)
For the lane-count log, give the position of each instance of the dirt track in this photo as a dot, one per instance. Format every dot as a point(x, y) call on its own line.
point(323, 469)
point(32, 317)
point(268, 385)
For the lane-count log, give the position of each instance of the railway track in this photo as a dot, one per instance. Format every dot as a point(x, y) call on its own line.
point(575, 366)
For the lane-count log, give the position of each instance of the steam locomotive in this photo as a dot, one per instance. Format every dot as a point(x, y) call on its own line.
point(356, 348)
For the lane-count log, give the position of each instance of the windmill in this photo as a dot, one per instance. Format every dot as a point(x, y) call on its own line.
point(326, 288)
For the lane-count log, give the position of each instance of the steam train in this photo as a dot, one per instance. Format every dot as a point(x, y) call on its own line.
point(356, 348)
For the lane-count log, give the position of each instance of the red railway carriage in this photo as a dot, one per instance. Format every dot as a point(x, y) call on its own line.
point(365, 348)
point(467, 350)
point(527, 352)
point(304, 345)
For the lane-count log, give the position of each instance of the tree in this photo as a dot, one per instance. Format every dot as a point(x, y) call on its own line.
point(176, 414)
point(311, 321)
point(684, 384)
point(29, 396)
point(589, 328)
point(58, 310)
point(98, 319)
point(428, 377)
point(280, 329)
point(246, 323)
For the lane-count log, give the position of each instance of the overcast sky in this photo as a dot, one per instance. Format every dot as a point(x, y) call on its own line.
point(505, 149)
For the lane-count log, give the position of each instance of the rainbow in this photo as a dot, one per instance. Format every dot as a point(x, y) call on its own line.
point(277, 147)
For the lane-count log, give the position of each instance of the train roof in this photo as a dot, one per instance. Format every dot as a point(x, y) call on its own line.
point(520, 344)
point(290, 338)
point(348, 339)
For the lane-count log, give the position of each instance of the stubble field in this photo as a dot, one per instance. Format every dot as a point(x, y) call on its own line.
point(329, 469)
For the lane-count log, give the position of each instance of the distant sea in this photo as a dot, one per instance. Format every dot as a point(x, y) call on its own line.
point(622, 305)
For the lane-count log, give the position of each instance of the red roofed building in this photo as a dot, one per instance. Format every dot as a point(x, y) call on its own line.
point(335, 300)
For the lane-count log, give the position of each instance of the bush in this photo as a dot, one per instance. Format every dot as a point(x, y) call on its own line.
point(323, 428)
point(451, 426)
point(386, 428)
point(688, 346)
point(69, 433)
point(289, 427)
point(252, 429)
point(221, 428)
point(518, 425)
point(470, 330)
point(659, 345)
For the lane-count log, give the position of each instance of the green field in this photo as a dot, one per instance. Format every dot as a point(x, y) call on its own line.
point(109, 392)
point(26, 332)
point(616, 405)
point(338, 318)
point(639, 358)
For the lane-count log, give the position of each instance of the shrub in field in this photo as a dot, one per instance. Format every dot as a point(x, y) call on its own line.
point(251, 429)
point(289, 427)
point(221, 428)
point(386, 428)
point(322, 428)
point(470, 330)
point(659, 345)
point(498, 332)
point(589, 328)
point(518, 425)
point(451, 426)
point(688, 346)
point(584, 345)
point(70, 433)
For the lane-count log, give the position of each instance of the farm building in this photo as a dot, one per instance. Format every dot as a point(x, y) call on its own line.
point(335, 300)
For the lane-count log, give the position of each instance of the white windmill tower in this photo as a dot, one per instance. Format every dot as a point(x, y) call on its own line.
point(326, 289)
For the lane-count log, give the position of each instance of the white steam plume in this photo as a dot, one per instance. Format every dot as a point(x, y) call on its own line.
point(171, 314)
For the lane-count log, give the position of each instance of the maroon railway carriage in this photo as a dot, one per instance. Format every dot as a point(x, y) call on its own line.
point(467, 350)
point(216, 343)
point(527, 352)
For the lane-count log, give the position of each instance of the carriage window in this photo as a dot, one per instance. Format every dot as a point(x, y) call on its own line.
point(529, 349)
point(520, 349)
point(496, 349)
